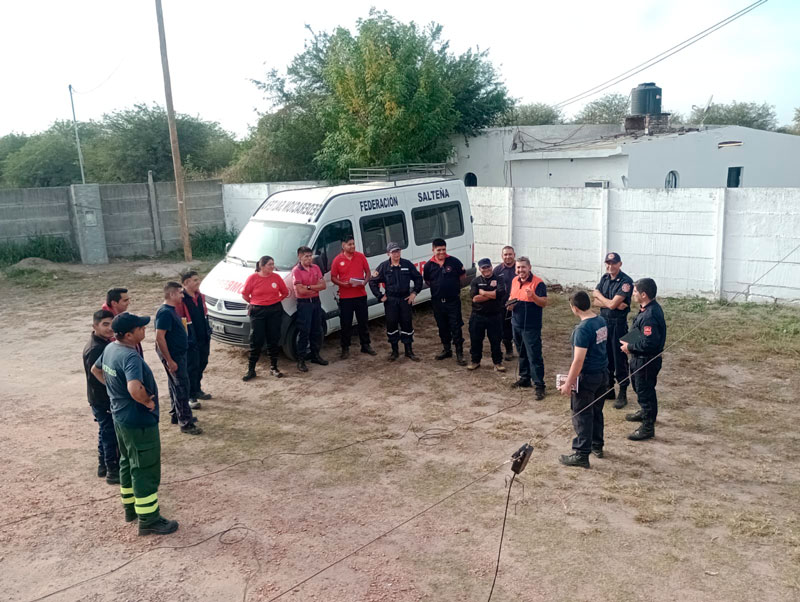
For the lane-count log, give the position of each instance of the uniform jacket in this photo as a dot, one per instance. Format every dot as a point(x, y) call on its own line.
point(396, 279)
point(610, 288)
point(444, 280)
point(650, 322)
point(95, 390)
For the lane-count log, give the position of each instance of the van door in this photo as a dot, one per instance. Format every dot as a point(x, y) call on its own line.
point(377, 231)
point(325, 248)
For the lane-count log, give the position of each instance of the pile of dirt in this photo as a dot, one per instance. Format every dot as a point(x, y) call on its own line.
point(165, 270)
point(37, 263)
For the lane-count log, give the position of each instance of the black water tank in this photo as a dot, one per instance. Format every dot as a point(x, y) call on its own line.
point(646, 99)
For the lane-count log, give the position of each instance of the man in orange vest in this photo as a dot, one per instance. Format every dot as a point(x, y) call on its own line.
point(527, 298)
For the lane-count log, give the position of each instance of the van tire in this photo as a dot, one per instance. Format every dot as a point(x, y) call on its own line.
point(290, 342)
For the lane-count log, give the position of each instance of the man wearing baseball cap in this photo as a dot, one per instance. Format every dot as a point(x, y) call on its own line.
point(613, 296)
point(134, 407)
point(397, 275)
point(488, 294)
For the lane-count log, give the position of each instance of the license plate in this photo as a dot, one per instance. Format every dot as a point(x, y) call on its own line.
point(217, 327)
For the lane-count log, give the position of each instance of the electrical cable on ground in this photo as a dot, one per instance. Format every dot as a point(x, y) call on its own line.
point(502, 534)
point(659, 57)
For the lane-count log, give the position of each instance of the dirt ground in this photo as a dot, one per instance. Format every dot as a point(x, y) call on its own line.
point(707, 511)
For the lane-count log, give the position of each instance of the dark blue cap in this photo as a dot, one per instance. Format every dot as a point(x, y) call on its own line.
point(125, 322)
point(485, 263)
point(613, 258)
point(392, 246)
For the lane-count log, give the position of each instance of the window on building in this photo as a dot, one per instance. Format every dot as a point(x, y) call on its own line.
point(440, 221)
point(671, 180)
point(379, 230)
point(735, 177)
point(470, 179)
point(329, 243)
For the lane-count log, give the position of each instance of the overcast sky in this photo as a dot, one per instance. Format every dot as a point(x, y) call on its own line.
point(546, 51)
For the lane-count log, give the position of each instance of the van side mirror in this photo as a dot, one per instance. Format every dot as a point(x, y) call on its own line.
point(227, 247)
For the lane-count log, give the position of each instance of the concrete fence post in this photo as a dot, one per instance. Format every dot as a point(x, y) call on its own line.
point(151, 192)
point(719, 239)
point(510, 216)
point(604, 217)
point(86, 215)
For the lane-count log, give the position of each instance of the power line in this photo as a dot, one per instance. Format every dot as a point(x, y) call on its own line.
point(659, 57)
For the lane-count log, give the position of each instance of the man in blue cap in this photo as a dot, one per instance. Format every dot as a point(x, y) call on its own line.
point(488, 294)
point(134, 407)
point(402, 282)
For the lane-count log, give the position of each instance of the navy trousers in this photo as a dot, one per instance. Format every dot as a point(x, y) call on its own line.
point(617, 360)
point(107, 451)
point(309, 328)
point(447, 313)
point(645, 377)
point(178, 383)
point(588, 421)
point(531, 362)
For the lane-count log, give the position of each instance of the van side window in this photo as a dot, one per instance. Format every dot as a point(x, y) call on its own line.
point(379, 230)
point(440, 221)
point(329, 243)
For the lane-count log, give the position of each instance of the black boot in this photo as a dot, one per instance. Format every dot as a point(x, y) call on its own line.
point(345, 353)
point(444, 353)
point(539, 393)
point(112, 476)
point(394, 354)
point(460, 356)
point(622, 398)
point(251, 373)
point(410, 352)
point(637, 416)
point(645, 431)
point(368, 349)
point(610, 394)
point(301, 365)
point(101, 467)
point(161, 526)
point(130, 513)
point(274, 370)
point(318, 359)
point(575, 459)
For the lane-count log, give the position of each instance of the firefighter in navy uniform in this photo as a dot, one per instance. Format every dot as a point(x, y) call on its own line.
point(645, 358)
point(613, 296)
point(443, 274)
point(397, 276)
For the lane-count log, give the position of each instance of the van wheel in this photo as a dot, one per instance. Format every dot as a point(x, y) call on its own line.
point(290, 342)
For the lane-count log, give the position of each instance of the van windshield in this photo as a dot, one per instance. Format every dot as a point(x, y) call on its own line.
point(279, 240)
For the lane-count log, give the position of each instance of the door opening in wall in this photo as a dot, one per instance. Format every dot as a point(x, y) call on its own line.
point(735, 177)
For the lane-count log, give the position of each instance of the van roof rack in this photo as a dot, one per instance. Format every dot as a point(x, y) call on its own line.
point(403, 171)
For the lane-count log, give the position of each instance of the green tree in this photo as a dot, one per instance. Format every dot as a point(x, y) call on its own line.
point(537, 113)
point(610, 108)
point(390, 92)
point(10, 143)
point(794, 128)
point(746, 114)
point(137, 140)
point(49, 158)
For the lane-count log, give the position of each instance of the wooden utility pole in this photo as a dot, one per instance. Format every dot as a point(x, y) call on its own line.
point(173, 139)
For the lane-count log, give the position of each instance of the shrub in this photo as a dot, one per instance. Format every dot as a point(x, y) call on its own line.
point(52, 248)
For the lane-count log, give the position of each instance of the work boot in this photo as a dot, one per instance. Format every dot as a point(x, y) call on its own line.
point(499, 368)
point(522, 383)
point(161, 526)
point(460, 356)
point(130, 513)
point(191, 429)
point(203, 395)
point(610, 394)
point(194, 404)
point(598, 452)
point(174, 419)
point(575, 459)
point(317, 359)
point(645, 431)
point(301, 365)
point(112, 478)
point(368, 350)
point(444, 354)
point(509, 352)
point(395, 353)
point(637, 416)
point(474, 366)
point(251, 373)
point(345, 353)
point(410, 353)
point(622, 398)
point(275, 371)
point(101, 468)
point(539, 393)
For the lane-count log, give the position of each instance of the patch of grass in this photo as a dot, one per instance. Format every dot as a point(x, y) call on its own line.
point(210, 242)
point(31, 278)
point(52, 248)
point(753, 524)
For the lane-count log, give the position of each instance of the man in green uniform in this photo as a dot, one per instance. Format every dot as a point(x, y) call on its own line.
point(134, 406)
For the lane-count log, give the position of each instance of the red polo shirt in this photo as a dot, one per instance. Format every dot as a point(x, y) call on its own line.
point(345, 269)
point(306, 276)
point(265, 290)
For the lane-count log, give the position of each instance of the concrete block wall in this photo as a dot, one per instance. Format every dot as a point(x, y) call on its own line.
point(204, 201)
point(128, 221)
point(26, 212)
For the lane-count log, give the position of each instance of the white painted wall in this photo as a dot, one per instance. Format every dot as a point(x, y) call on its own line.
point(241, 200)
point(568, 173)
point(706, 242)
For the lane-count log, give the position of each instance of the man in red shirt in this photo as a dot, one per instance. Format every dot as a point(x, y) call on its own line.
point(350, 272)
point(117, 302)
point(308, 282)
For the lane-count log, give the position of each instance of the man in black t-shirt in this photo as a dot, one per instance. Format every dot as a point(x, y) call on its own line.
point(488, 306)
point(443, 274)
point(506, 271)
point(172, 343)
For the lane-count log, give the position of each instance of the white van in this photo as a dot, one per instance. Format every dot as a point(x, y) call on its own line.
point(411, 213)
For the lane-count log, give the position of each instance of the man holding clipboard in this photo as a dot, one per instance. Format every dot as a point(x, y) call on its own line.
point(644, 344)
point(350, 272)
